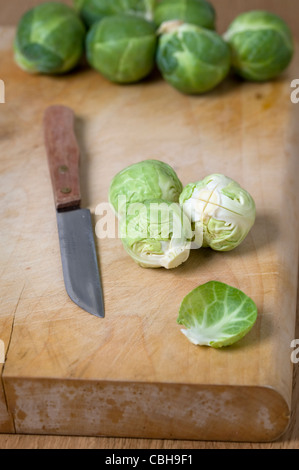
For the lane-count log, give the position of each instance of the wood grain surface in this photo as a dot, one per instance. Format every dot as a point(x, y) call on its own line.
point(38, 346)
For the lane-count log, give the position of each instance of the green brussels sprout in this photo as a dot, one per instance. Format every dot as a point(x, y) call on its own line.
point(92, 11)
point(156, 234)
point(122, 48)
point(49, 39)
point(192, 59)
point(262, 45)
point(198, 12)
point(149, 179)
point(221, 212)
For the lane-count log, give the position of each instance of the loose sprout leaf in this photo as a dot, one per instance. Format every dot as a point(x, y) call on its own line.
point(216, 314)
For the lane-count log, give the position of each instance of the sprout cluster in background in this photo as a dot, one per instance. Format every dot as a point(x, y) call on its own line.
point(92, 11)
point(159, 219)
point(125, 39)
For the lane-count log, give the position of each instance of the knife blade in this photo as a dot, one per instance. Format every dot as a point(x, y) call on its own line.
point(77, 246)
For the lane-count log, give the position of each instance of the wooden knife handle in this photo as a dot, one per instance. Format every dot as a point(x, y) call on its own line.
point(63, 156)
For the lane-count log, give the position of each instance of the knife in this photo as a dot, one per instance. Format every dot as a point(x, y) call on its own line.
point(77, 246)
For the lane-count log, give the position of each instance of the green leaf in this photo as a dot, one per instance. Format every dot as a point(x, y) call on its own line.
point(216, 314)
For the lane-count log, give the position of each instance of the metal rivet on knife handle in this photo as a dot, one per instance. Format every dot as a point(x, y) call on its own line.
point(63, 169)
point(66, 190)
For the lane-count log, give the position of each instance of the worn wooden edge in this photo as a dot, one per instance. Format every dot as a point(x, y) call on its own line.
point(6, 419)
point(146, 410)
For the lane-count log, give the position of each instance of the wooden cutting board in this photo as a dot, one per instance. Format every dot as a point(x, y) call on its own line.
point(134, 373)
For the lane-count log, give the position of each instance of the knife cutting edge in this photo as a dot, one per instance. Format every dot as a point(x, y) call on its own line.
point(77, 246)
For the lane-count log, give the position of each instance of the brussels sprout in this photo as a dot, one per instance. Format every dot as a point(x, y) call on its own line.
point(149, 179)
point(156, 234)
point(216, 315)
point(92, 11)
point(221, 212)
point(262, 45)
point(49, 39)
point(192, 59)
point(198, 12)
point(122, 48)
